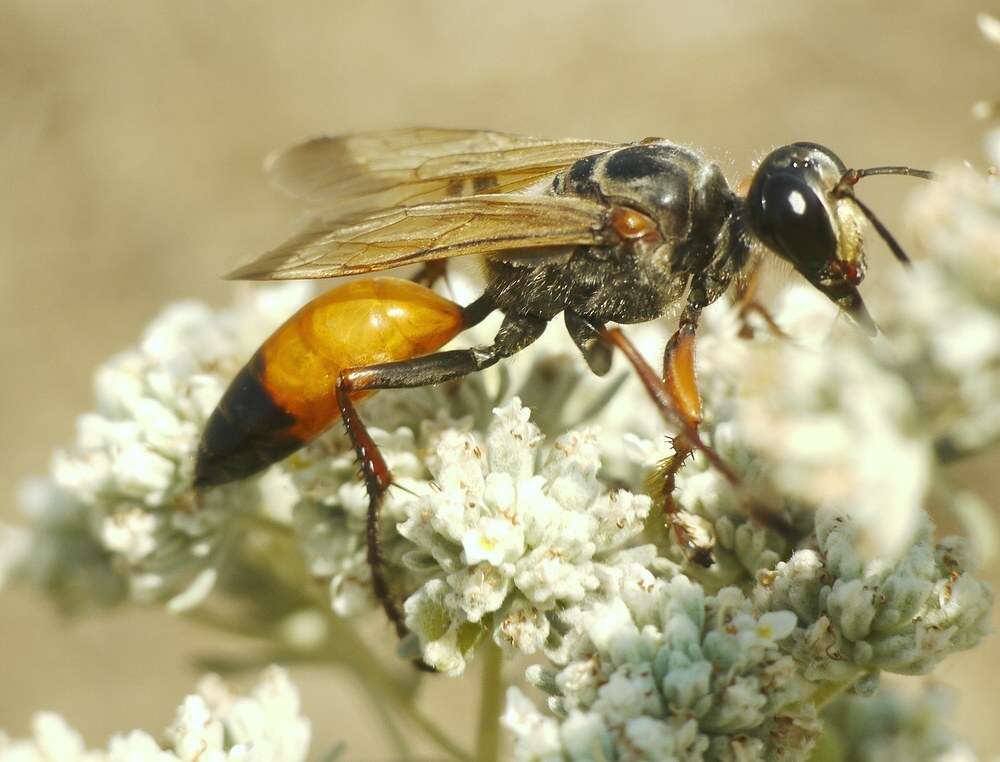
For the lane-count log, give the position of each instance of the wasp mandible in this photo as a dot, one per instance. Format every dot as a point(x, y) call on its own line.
point(603, 233)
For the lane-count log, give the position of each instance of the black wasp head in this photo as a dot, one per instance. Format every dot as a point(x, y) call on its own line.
point(801, 205)
point(802, 208)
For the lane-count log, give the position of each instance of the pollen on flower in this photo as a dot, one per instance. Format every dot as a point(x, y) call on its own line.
point(775, 625)
point(494, 540)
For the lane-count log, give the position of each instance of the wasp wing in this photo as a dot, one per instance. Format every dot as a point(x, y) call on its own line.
point(389, 168)
point(440, 230)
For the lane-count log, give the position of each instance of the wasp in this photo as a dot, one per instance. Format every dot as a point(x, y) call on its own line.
point(604, 234)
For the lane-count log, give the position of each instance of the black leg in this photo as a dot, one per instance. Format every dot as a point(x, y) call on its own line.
point(587, 337)
point(431, 272)
point(514, 335)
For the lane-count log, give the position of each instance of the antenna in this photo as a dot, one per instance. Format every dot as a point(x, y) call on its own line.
point(845, 188)
point(883, 231)
point(852, 176)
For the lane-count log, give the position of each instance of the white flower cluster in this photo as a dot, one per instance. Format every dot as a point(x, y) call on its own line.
point(475, 511)
point(491, 531)
point(330, 505)
point(212, 725)
point(835, 429)
point(668, 672)
point(945, 329)
point(514, 534)
point(903, 615)
point(810, 420)
point(118, 505)
point(664, 671)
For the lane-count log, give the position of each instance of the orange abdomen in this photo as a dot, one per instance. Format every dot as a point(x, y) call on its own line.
point(285, 396)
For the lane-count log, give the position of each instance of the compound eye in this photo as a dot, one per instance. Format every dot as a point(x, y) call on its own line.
point(796, 221)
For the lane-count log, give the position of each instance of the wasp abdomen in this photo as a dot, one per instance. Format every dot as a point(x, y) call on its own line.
point(246, 432)
point(285, 396)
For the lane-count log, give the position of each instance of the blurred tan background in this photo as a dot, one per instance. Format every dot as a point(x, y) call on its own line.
point(131, 138)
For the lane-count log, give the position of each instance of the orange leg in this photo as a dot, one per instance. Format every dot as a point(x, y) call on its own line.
point(748, 304)
point(679, 378)
point(676, 397)
point(662, 396)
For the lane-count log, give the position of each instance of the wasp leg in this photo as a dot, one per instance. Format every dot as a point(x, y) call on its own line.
point(661, 396)
point(676, 397)
point(430, 272)
point(679, 378)
point(514, 335)
point(587, 337)
point(747, 304)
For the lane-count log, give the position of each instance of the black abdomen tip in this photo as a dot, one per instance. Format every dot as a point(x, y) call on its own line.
point(245, 434)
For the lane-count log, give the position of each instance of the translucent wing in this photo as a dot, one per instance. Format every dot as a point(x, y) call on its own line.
point(443, 229)
point(384, 169)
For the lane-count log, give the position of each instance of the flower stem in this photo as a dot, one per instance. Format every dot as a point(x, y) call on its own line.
point(380, 683)
point(827, 692)
point(433, 732)
point(343, 647)
point(389, 723)
point(490, 700)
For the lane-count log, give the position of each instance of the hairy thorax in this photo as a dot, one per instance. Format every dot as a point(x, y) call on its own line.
point(634, 280)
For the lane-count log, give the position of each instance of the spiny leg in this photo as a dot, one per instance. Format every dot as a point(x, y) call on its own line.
point(377, 478)
point(514, 335)
point(662, 398)
point(747, 304)
point(679, 377)
point(676, 397)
